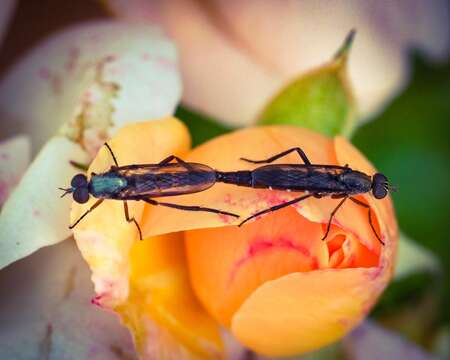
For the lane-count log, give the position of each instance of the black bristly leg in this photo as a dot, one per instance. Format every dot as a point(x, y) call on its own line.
point(300, 152)
point(177, 159)
point(345, 197)
point(112, 154)
point(187, 207)
point(97, 203)
point(360, 203)
point(127, 217)
point(276, 207)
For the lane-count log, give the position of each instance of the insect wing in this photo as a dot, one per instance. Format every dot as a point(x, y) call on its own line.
point(155, 180)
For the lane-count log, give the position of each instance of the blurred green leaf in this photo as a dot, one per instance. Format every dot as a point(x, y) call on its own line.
point(201, 127)
point(413, 258)
point(320, 100)
point(404, 292)
point(441, 343)
point(409, 142)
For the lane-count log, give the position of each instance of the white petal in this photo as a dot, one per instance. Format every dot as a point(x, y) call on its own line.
point(34, 216)
point(14, 160)
point(413, 258)
point(46, 313)
point(94, 77)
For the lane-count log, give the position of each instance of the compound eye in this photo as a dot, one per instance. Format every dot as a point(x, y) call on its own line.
point(379, 191)
point(379, 179)
point(79, 180)
point(81, 195)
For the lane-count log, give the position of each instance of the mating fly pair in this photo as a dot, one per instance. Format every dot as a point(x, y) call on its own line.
point(167, 178)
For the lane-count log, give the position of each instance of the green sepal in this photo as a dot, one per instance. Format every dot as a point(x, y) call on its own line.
point(320, 100)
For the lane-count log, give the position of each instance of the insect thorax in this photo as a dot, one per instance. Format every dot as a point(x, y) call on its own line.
point(356, 182)
point(105, 185)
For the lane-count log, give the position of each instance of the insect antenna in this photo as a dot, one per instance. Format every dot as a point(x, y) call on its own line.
point(66, 191)
point(390, 188)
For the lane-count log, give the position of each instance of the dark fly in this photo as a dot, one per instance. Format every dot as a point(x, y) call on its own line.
point(338, 182)
point(144, 182)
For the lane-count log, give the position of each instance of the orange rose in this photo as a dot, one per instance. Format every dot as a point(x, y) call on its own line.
point(273, 282)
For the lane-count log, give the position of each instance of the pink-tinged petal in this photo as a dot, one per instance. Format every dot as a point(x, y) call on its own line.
point(14, 159)
point(105, 237)
point(241, 53)
point(370, 341)
point(91, 79)
point(146, 282)
point(276, 273)
point(46, 311)
point(34, 215)
point(5, 16)
point(302, 312)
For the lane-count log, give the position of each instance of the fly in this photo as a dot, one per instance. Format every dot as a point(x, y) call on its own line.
point(338, 182)
point(144, 182)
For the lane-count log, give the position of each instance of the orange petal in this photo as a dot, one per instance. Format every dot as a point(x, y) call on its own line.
point(302, 312)
point(233, 270)
point(161, 310)
point(278, 244)
point(145, 282)
point(104, 236)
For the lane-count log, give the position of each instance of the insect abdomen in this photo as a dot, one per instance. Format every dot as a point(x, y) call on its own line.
point(297, 178)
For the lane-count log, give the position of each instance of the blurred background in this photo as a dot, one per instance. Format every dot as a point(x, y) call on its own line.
point(408, 139)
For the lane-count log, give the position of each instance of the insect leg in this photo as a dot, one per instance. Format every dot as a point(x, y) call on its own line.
point(332, 215)
point(178, 160)
point(127, 217)
point(360, 203)
point(187, 207)
point(300, 152)
point(98, 202)
point(276, 207)
point(112, 154)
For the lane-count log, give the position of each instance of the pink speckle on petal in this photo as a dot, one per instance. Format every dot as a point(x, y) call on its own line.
point(95, 37)
point(114, 71)
point(36, 213)
point(4, 156)
point(146, 56)
point(375, 273)
point(56, 84)
point(165, 62)
point(44, 73)
point(97, 300)
point(110, 58)
point(260, 246)
point(271, 198)
point(73, 56)
point(226, 219)
point(54, 80)
point(4, 191)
